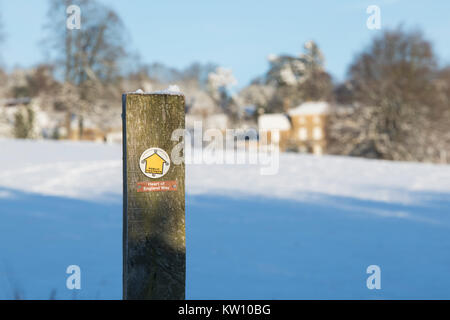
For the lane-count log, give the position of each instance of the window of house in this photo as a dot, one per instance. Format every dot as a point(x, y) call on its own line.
point(317, 133)
point(303, 134)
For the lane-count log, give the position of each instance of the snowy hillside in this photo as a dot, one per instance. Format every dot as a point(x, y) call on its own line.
point(308, 232)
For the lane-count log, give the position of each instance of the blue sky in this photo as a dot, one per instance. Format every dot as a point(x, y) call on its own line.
point(236, 34)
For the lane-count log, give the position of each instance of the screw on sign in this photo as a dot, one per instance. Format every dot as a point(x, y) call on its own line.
point(154, 243)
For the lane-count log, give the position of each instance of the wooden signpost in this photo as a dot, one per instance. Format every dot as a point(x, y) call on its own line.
point(154, 245)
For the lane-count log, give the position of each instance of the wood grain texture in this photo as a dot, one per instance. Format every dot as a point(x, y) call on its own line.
point(154, 222)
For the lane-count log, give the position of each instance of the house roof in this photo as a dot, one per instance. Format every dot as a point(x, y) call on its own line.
point(309, 108)
point(274, 121)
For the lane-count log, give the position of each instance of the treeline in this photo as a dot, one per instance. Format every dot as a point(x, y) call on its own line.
point(394, 103)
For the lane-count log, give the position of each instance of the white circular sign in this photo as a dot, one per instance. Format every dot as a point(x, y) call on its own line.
point(154, 163)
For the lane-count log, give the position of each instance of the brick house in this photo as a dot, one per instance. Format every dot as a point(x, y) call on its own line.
point(302, 129)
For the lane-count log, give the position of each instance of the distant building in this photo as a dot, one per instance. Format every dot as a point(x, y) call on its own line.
point(89, 130)
point(279, 122)
point(302, 129)
point(309, 122)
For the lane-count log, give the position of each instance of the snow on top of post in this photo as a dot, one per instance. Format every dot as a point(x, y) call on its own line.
point(171, 90)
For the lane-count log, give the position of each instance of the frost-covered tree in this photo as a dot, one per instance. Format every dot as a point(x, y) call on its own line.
point(193, 82)
point(256, 94)
point(33, 82)
point(317, 84)
point(221, 79)
point(92, 52)
point(88, 57)
point(298, 78)
point(286, 70)
point(397, 108)
point(219, 84)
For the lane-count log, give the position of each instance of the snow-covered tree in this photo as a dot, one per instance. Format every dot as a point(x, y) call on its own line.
point(313, 58)
point(298, 78)
point(286, 70)
point(219, 84)
point(317, 84)
point(256, 95)
point(400, 112)
point(88, 57)
point(221, 78)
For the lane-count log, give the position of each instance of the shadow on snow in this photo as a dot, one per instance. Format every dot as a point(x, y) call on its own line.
point(237, 248)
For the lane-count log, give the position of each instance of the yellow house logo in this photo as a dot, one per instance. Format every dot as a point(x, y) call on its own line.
point(154, 163)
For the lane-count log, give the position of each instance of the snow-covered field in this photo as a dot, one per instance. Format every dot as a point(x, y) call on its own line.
point(309, 231)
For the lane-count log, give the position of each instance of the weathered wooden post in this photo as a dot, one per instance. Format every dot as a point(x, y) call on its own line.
point(154, 245)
